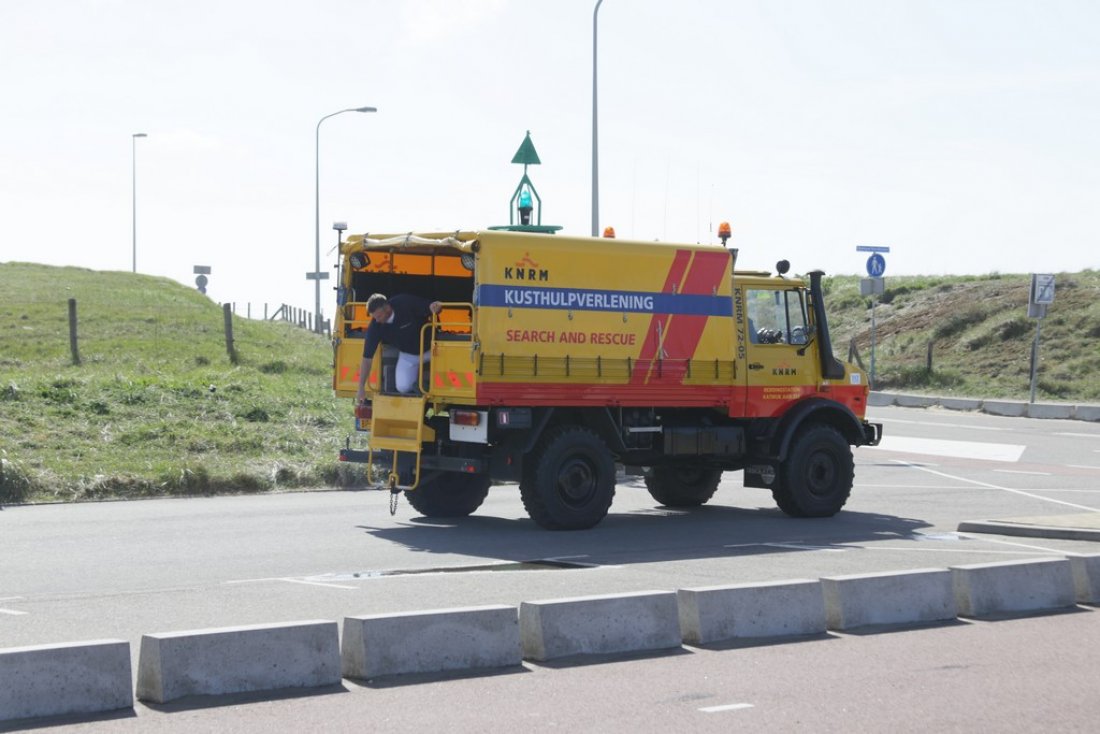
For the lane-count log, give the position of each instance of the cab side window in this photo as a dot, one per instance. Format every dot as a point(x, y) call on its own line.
point(777, 317)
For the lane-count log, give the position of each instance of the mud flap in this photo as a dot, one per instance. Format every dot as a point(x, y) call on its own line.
point(762, 475)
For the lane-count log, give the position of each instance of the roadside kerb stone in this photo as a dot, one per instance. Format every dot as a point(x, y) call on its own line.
point(915, 401)
point(880, 399)
point(592, 625)
point(1013, 586)
point(771, 609)
point(1087, 412)
point(226, 660)
point(961, 403)
point(1004, 408)
point(431, 641)
point(1086, 577)
point(1049, 410)
point(898, 597)
point(73, 678)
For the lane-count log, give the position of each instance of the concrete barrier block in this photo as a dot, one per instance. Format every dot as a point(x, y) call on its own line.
point(1050, 410)
point(238, 659)
point(1086, 577)
point(645, 620)
point(73, 678)
point(915, 401)
point(773, 609)
point(1013, 586)
point(961, 403)
point(1087, 412)
point(899, 597)
point(1004, 408)
point(880, 399)
point(431, 641)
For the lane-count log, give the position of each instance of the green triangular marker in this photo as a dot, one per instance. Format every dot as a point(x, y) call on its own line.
point(526, 153)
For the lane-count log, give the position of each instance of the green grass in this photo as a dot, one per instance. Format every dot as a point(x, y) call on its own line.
point(980, 333)
point(155, 407)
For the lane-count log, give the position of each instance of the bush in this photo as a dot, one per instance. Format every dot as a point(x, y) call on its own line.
point(15, 485)
point(959, 323)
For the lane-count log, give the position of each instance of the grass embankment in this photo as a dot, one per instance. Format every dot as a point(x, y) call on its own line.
point(980, 333)
point(155, 407)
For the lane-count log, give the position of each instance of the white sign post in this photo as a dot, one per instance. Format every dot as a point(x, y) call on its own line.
point(1041, 296)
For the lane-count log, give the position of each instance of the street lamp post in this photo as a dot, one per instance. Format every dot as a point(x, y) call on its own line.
point(133, 165)
point(595, 134)
point(317, 275)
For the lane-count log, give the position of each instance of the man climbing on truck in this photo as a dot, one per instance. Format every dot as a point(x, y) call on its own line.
point(399, 322)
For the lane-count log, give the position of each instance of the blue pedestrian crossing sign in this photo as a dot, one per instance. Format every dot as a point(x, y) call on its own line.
point(876, 265)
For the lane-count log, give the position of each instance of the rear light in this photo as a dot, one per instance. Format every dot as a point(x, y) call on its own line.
point(465, 417)
point(364, 412)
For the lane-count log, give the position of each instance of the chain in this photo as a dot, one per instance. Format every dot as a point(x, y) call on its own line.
point(395, 493)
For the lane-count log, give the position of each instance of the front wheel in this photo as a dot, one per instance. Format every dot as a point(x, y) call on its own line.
point(449, 494)
point(816, 479)
point(570, 483)
point(682, 485)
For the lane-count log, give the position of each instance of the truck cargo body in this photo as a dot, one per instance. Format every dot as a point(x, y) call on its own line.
point(562, 356)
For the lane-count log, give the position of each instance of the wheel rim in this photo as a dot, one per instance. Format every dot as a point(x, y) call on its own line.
point(578, 481)
point(821, 474)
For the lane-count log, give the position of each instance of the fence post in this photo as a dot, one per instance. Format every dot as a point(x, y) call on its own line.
point(72, 332)
point(228, 313)
point(930, 343)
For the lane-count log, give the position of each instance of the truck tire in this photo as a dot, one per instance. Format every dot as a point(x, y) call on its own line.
point(449, 494)
point(816, 479)
point(570, 482)
point(682, 485)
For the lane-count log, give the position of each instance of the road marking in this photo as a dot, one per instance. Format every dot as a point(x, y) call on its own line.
point(1076, 435)
point(290, 581)
point(1018, 471)
point(1018, 545)
point(12, 612)
point(1083, 466)
point(727, 707)
point(995, 486)
point(945, 425)
point(955, 449)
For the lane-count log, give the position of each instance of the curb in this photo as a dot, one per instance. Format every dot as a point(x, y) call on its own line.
point(1049, 532)
point(1006, 408)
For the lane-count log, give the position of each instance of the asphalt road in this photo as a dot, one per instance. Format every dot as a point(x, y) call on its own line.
point(121, 569)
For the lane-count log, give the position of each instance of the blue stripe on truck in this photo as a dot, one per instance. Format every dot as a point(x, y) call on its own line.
point(584, 299)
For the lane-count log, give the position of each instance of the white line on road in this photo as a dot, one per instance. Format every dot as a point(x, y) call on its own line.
point(995, 486)
point(291, 581)
point(12, 612)
point(944, 425)
point(1076, 435)
point(10, 598)
point(727, 707)
point(1018, 471)
point(1083, 466)
point(1018, 545)
point(956, 449)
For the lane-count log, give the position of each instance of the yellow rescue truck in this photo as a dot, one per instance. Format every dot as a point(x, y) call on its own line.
point(554, 358)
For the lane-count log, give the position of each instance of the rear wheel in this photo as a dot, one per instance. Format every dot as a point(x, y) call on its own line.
point(449, 494)
point(817, 477)
point(682, 485)
point(570, 483)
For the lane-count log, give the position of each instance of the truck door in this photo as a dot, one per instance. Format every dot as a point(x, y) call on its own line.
point(780, 355)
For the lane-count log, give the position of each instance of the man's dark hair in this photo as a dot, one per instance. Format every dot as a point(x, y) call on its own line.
point(376, 302)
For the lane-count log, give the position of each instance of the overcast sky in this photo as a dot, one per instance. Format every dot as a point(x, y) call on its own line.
point(962, 134)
